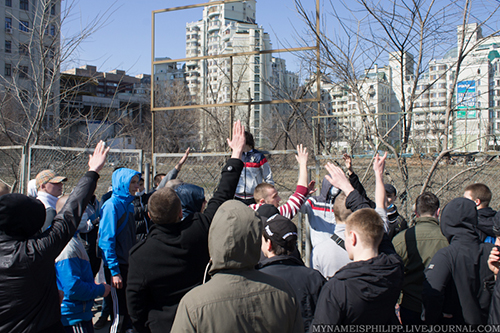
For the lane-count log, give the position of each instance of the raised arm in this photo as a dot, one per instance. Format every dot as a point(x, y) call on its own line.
point(378, 168)
point(183, 160)
point(53, 241)
point(354, 179)
point(172, 174)
point(296, 200)
point(230, 173)
point(302, 156)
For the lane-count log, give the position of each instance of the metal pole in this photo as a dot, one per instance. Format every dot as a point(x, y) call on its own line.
point(318, 77)
point(147, 177)
point(231, 108)
point(152, 84)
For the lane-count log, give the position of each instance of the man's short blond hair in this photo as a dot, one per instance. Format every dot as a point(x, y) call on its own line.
point(368, 224)
point(261, 191)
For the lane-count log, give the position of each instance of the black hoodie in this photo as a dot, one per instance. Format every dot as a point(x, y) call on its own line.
point(464, 263)
point(29, 300)
point(485, 220)
point(362, 292)
point(172, 259)
point(305, 281)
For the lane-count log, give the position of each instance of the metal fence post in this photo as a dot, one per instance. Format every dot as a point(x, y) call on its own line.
point(147, 177)
point(141, 161)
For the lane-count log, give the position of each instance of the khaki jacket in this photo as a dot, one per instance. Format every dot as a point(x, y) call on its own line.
point(238, 298)
point(416, 246)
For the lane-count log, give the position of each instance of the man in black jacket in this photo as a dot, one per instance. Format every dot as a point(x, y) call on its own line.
point(174, 256)
point(486, 216)
point(366, 290)
point(457, 272)
point(29, 300)
point(279, 238)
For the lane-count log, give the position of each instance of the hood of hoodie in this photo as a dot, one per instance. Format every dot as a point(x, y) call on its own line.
point(486, 212)
point(459, 221)
point(120, 181)
point(20, 215)
point(235, 237)
point(192, 198)
point(373, 278)
point(325, 191)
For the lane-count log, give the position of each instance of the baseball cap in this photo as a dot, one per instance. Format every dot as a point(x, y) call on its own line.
point(48, 176)
point(267, 210)
point(390, 189)
point(281, 231)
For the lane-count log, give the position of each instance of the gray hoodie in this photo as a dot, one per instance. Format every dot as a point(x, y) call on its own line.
point(238, 298)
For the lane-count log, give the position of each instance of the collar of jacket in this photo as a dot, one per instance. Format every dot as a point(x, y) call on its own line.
point(281, 259)
point(427, 219)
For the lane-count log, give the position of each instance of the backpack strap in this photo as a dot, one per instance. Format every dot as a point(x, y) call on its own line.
point(338, 240)
point(122, 222)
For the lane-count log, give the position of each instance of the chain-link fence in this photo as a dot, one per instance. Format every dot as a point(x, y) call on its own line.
point(73, 162)
point(449, 178)
point(203, 169)
point(10, 165)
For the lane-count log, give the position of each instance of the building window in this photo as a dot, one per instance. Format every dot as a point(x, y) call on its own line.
point(7, 70)
point(52, 30)
point(8, 3)
point(257, 87)
point(53, 10)
point(23, 72)
point(8, 23)
point(23, 49)
point(24, 4)
point(8, 46)
point(24, 26)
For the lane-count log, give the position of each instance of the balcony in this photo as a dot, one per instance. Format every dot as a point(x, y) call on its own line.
point(213, 26)
point(214, 10)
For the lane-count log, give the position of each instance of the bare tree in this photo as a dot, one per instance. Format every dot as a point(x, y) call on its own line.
point(30, 89)
point(411, 34)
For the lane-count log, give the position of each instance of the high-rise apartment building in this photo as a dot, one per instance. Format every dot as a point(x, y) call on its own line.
point(232, 28)
point(30, 55)
point(475, 120)
point(476, 96)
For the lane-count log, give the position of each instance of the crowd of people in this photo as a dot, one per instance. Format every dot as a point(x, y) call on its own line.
point(174, 262)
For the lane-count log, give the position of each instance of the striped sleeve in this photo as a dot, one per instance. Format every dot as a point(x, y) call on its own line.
point(293, 204)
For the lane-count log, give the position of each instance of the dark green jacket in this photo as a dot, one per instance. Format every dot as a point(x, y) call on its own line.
point(416, 246)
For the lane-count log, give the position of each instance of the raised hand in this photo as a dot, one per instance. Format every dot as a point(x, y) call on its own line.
point(98, 158)
point(338, 179)
point(311, 187)
point(238, 141)
point(348, 162)
point(302, 155)
point(379, 164)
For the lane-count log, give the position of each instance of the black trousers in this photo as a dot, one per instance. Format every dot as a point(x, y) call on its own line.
point(121, 321)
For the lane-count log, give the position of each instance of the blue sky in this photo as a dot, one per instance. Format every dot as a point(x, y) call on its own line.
point(124, 40)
